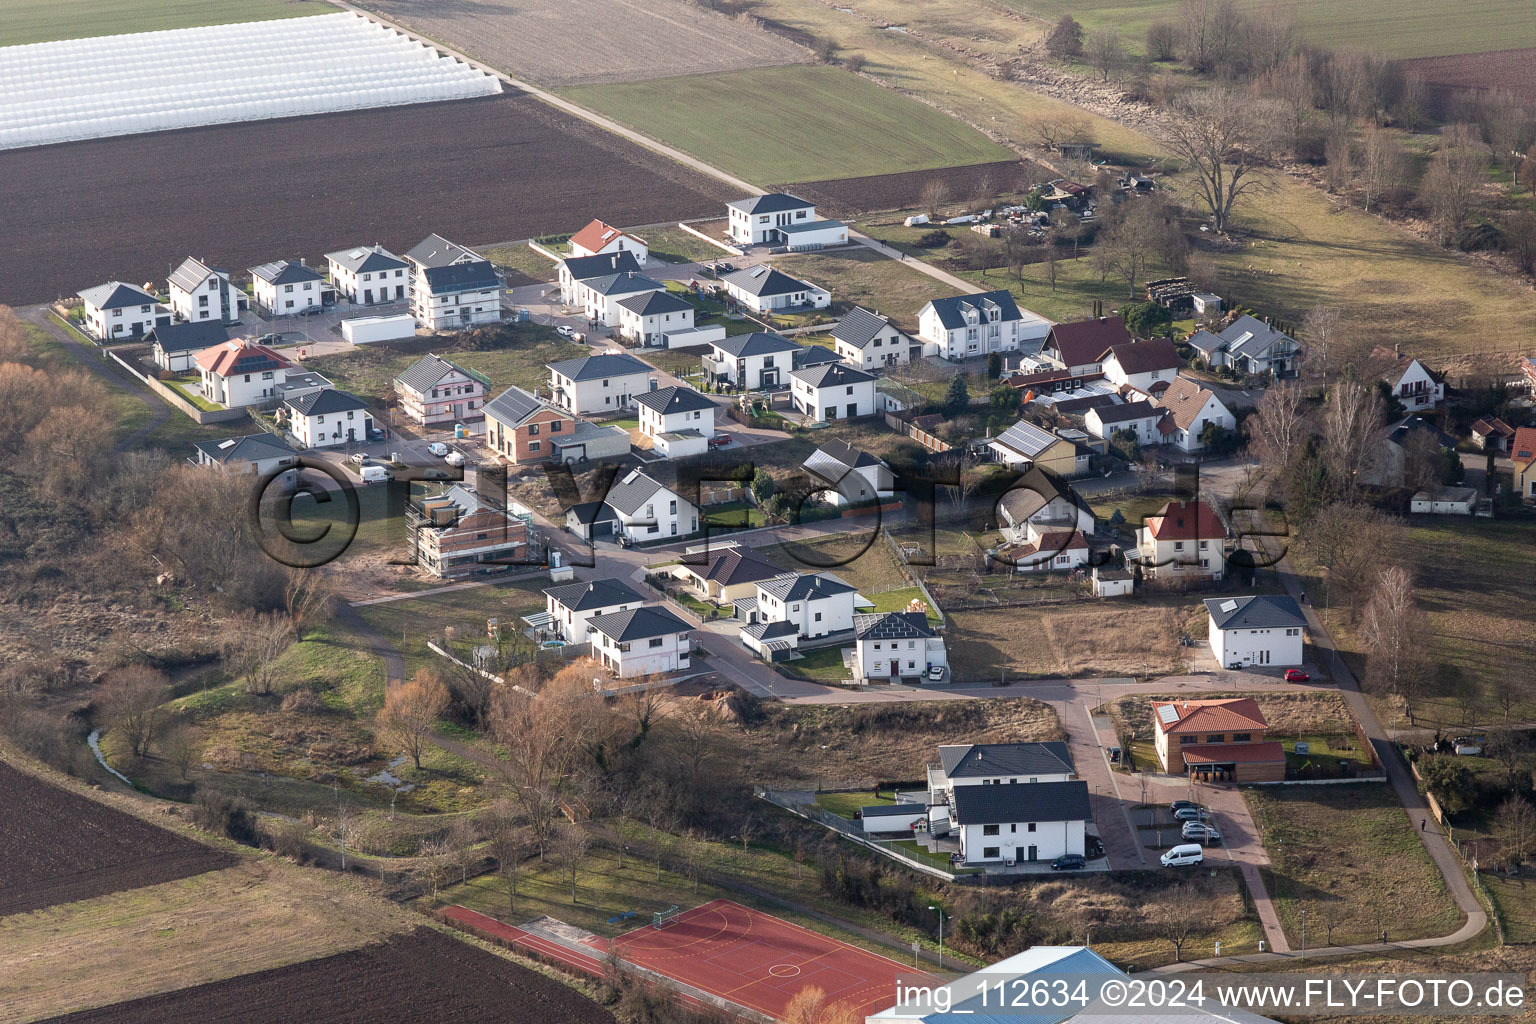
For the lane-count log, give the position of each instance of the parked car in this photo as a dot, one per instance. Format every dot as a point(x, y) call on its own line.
point(1186, 855)
point(375, 434)
point(565, 331)
point(454, 458)
point(269, 339)
point(935, 673)
point(311, 311)
point(1069, 862)
point(719, 440)
point(433, 473)
point(438, 448)
point(359, 457)
point(1189, 814)
point(1202, 832)
point(1093, 847)
point(1182, 803)
point(1468, 746)
point(1296, 675)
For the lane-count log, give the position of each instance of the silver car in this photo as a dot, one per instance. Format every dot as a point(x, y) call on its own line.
point(1199, 831)
point(1189, 814)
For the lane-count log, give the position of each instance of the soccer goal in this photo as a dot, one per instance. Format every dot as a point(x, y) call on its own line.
point(662, 918)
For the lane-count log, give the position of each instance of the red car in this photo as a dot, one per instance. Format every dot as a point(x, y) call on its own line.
point(719, 440)
point(1296, 675)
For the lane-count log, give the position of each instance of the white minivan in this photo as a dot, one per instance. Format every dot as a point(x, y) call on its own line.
point(1180, 856)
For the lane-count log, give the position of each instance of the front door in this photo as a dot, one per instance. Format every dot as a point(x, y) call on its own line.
point(853, 410)
point(367, 296)
point(1034, 853)
point(458, 410)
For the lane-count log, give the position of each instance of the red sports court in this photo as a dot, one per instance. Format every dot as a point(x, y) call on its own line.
point(760, 961)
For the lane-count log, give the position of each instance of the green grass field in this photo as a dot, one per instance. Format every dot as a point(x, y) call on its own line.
point(39, 21)
point(796, 123)
point(1392, 28)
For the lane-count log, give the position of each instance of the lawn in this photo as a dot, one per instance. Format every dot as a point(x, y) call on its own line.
point(1391, 28)
point(1350, 857)
point(858, 559)
point(679, 362)
point(846, 805)
point(37, 21)
point(898, 600)
point(412, 622)
point(370, 372)
point(187, 387)
point(862, 277)
point(523, 260)
point(1515, 901)
point(823, 666)
point(823, 123)
point(674, 245)
point(736, 515)
point(1073, 639)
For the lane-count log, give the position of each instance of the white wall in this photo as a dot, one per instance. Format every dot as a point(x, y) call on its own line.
point(322, 431)
point(665, 515)
point(1263, 647)
point(284, 299)
point(816, 401)
point(642, 659)
point(606, 394)
point(1051, 839)
point(572, 625)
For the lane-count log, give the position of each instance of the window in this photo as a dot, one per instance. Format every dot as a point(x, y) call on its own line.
point(1216, 737)
point(818, 617)
point(554, 428)
point(1188, 739)
point(287, 289)
point(533, 430)
point(655, 641)
point(673, 508)
point(989, 830)
point(268, 376)
point(1242, 737)
point(1293, 632)
point(1031, 827)
point(202, 300)
point(990, 852)
point(534, 446)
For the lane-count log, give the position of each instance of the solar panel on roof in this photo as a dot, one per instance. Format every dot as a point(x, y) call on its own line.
point(759, 270)
point(227, 444)
point(1228, 606)
point(1167, 714)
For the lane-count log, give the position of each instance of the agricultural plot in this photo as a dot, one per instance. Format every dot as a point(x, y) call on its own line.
point(570, 42)
point(39, 21)
point(1508, 70)
point(846, 197)
point(776, 125)
point(422, 976)
point(245, 193)
point(58, 847)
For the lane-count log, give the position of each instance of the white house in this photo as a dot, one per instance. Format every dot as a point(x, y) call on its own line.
point(1248, 345)
point(871, 342)
point(891, 646)
point(254, 453)
point(239, 373)
point(369, 275)
point(1185, 538)
point(851, 475)
point(201, 292)
point(571, 606)
point(641, 642)
point(599, 239)
point(1267, 630)
point(286, 287)
point(1190, 409)
point(117, 312)
point(810, 235)
point(679, 421)
point(1041, 501)
point(325, 419)
point(599, 297)
point(966, 326)
point(451, 287)
point(644, 509)
point(794, 607)
point(1022, 823)
point(763, 289)
point(434, 392)
point(832, 391)
point(1079, 347)
point(759, 219)
point(574, 269)
point(1143, 365)
point(648, 317)
point(599, 384)
point(175, 346)
point(1415, 385)
point(1046, 550)
point(753, 362)
point(1140, 417)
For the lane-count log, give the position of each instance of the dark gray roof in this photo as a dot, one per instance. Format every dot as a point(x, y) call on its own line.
point(952, 311)
point(117, 295)
point(1024, 801)
point(285, 272)
point(770, 630)
point(424, 374)
point(515, 405)
point(627, 283)
point(250, 448)
point(654, 302)
point(1410, 425)
point(638, 624)
point(1250, 336)
point(1128, 411)
point(1265, 611)
point(674, 399)
point(815, 355)
point(773, 202)
point(795, 586)
point(613, 364)
point(991, 760)
point(831, 375)
point(758, 343)
point(581, 597)
point(589, 512)
point(582, 268)
point(476, 275)
point(892, 626)
point(844, 454)
point(191, 337)
point(764, 280)
point(736, 565)
point(192, 273)
point(629, 494)
point(890, 810)
point(318, 403)
point(437, 251)
point(859, 327)
point(367, 259)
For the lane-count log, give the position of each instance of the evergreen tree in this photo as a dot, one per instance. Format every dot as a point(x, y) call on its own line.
point(958, 398)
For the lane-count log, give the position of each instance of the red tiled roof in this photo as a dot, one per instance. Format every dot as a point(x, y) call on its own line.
point(1219, 715)
point(1523, 450)
point(1084, 341)
point(596, 235)
point(1179, 520)
point(1492, 428)
point(1270, 752)
point(240, 356)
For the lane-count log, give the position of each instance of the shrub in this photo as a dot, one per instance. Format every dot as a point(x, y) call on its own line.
point(1066, 39)
point(230, 816)
point(933, 240)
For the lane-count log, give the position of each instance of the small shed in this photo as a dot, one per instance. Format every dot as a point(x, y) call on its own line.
point(1109, 582)
point(1445, 501)
point(364, 330)
point(892, 817)
point(1205, 303)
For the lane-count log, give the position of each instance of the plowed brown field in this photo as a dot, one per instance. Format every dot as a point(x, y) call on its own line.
point(1510, 70)
point(844, 197)
point(58, 847)
point(475, 171)
point(423, 977)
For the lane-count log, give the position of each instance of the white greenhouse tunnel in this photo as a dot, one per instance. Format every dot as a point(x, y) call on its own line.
point(154, 81)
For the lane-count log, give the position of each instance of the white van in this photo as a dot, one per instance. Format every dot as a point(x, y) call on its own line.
point(1181, 856)
point(373, 474)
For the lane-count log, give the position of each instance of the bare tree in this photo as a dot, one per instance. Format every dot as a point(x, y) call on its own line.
point(1052, 132)
point(1383, 165)
point(1393, 630)
point(1351, 540)
point(433, 864)
point(511, 843)
point(1178, 923)
point(1224, 138)
point(132, 697)
point(1162, 40)
point(1292, 86)
point(1105, 51)
point(1520, 236)
point(1351, 433)
point(1454, 179)
point(1132, 239)
point(1321, 329)
point(1514, 826)
point(571, 843)
point(1527, 175)
point(1512, 750)
point(1017, 248)
point(410, 711)
point(1412, 101)
point(182, 747)
point(15, 343)
point(462, 838)
point(1277, 429)
point(1269, 36)
point(933, 197)
point(1052, 262)
point(252, 646)
point(1339, 154)
point(1195, 17)
point(307, 596)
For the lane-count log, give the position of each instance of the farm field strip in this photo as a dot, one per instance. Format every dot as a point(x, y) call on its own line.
point(41, 21)
point(1508, 70)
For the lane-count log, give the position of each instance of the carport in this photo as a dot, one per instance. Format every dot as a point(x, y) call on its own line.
point(1236, 762)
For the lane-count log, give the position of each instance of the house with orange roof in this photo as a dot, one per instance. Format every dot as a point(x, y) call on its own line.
point(239, 372)
point(600, 239)
point(1190, 409)
point(1184, 539)
point(1216, 740)
point(1522, 452)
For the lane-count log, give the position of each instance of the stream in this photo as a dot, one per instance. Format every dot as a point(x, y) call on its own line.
point(94, 739)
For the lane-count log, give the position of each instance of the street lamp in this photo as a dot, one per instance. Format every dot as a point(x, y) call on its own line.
point(1303, 932)
point(941, 931)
